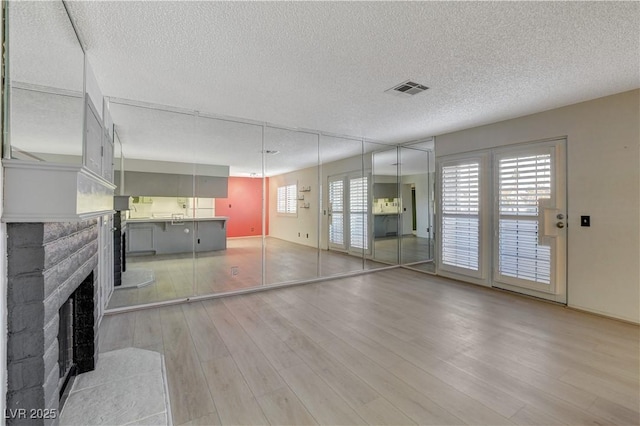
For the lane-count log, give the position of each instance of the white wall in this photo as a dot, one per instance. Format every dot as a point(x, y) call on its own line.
point(303, 228)
point(421, 182)
point(603, 181)
point(287, 227)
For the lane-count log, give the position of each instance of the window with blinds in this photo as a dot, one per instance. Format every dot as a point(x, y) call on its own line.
point(287, 198)
point(461, 215)
point(336, 209)
point(358, 209)
point(522, 181)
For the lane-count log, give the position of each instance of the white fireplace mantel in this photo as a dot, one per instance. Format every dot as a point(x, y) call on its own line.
point(53, 192)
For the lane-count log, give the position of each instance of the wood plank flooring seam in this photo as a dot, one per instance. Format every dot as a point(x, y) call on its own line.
point(396, 333)
point(468, 395)
point(259, 296)
point(381, 396)
point(213, 401)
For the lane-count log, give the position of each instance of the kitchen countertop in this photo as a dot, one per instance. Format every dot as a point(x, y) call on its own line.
point(166, 219)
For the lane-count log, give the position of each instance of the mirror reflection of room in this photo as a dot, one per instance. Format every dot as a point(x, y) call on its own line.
point(249, 217)
point(45, 85)
point(416, 176)
point(402, 206)
point(238, 205)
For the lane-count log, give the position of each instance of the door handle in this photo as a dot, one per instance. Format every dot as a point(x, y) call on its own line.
point(560, 225)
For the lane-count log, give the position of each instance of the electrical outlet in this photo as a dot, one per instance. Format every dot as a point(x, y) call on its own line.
point(235, 270)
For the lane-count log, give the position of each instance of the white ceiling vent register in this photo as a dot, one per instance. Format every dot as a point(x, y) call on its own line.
point(408, 88)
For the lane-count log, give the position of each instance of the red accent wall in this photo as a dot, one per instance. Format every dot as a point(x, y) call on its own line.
point(243, 207)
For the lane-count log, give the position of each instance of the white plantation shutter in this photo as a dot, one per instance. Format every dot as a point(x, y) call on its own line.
point(292, 197)
point(282, 199)
point(461, 215)
point(358, 206)
point(287, 197)
point(336, 201)
point(522, 181)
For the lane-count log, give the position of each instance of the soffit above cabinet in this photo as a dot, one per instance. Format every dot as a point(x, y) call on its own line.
point(149, 166)
point(173, 185)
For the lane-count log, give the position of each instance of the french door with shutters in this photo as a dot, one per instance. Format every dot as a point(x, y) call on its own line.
point(359, 214)
point(526, 252)
point(337, 240)
point(529, 246)
point(460, 217)
point(348, 213)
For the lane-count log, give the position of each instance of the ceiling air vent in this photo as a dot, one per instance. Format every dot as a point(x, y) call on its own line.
point(408, 88)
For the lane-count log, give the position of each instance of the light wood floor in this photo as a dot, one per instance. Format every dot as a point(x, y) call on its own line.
point(412, 248)
point(183, 275)
point(392, 347)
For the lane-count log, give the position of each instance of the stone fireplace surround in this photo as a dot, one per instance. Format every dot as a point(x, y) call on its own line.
point(47, 263)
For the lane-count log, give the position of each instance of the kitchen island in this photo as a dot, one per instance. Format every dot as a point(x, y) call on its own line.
point(148, 236)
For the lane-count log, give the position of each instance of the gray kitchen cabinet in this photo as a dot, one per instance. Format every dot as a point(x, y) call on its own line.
point(157, 236)
point(173, 185)
point(150, 184)
point(385, 225)
point(211, 235)
point(385, 190)
point(175, 238)
point(211, 187)
point(140, 237)
point(185, 185)
point(379, 226)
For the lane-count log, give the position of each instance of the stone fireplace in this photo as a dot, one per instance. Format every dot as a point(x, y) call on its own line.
point(50, 266)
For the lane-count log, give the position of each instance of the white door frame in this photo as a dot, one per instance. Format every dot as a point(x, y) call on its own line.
point(552, 211)
point(346, 193)
point(489, 219)
point(345, 234)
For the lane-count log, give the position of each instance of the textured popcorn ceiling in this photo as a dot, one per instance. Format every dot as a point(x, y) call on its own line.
point(43, 48)
point(163, 135)
point(326, 65)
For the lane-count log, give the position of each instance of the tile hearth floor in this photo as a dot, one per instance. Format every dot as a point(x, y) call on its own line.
point(128, 386)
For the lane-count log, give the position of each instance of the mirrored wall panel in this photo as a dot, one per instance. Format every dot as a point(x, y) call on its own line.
point(44, 85)
point(291, 167)
point(416, 188)
point(227, 210)
point(208, 205)
point(159, 233)
point(343, 239)
point(386, 205)
point(213, 205)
